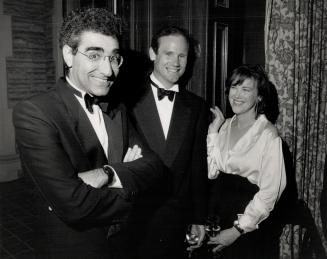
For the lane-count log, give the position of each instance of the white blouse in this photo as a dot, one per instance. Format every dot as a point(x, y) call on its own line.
point(258, 156)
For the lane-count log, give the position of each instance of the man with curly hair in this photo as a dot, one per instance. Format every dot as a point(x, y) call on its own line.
point(84, 156)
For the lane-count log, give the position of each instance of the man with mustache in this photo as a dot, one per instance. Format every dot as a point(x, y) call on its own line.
point(75, 145)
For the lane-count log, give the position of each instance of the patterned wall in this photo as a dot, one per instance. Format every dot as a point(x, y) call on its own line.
point(31, 69)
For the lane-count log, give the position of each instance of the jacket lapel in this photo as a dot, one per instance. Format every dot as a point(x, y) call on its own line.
point(178, 127)
point(114, 127)
point(147, 115)
point(86, 135)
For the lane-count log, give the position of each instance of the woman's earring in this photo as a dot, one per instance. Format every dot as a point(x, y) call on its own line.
point(257, 106)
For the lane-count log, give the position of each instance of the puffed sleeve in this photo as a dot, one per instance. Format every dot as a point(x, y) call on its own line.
point(213, 169)
point(271, 182)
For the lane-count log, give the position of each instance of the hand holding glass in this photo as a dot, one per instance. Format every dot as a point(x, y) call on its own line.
point(191, 238)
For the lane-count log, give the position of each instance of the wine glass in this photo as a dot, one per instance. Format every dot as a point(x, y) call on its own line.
point(212, 226)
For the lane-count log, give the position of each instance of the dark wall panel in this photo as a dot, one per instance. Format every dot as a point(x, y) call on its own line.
point(31, 69)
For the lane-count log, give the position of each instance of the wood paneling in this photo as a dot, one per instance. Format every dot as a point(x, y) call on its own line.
point(198, 27)
point(254, 20)
point(235, 37)
point(219, 64)
point(227, 33)
point(141, 28)
point(148, 16)
point(225, 48)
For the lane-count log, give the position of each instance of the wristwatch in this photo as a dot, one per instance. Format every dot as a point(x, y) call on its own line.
point(108, 171)
point(238, 227)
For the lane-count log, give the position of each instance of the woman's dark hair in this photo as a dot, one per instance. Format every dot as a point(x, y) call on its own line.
point(267, 93)
point(166, 31)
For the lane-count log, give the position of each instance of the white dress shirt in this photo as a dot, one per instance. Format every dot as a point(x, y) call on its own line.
point(97, 121)
point(164, 106)
point(258, 156)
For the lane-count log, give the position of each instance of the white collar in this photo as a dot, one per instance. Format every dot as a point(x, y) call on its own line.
point(75, 87)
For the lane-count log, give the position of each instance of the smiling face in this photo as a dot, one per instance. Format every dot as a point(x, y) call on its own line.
point(243, 97)
point(95, 78)
point(170, 60)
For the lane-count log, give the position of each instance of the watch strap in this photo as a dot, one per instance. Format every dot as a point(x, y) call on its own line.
point(109, 172)
point(238, 227)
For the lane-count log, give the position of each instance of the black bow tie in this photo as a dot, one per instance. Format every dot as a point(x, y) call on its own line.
point(89, 101)
point(163, 92)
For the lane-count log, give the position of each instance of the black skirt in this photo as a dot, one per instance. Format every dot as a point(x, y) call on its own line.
point(229, 196)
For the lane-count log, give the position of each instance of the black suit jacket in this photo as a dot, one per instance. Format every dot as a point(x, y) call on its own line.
point(183, 153)
point(56, 141)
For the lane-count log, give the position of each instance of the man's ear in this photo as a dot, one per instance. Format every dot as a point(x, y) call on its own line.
point(152, 54)
point(67, 53)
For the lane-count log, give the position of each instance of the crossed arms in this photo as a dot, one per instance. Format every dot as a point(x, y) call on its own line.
point(52, 155)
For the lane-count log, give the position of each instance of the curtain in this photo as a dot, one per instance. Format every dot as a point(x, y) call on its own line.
point(296, 61)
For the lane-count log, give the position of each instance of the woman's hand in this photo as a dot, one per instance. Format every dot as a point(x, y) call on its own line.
point(224, 238)
point(133, 154)
point(217, 121)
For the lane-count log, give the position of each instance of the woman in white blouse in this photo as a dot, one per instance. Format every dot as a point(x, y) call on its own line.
point(245, 155)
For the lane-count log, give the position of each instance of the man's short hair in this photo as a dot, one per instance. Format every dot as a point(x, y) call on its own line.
point(167, 31)
point(98, 20)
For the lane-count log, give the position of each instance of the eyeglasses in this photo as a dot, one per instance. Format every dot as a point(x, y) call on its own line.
point(96, 56)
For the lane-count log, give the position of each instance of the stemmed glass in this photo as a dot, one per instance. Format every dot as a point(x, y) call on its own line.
point(212, 228)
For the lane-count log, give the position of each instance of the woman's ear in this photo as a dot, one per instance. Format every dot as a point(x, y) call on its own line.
point(67, 53)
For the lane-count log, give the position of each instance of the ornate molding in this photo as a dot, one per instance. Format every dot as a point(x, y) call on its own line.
point(219, 63)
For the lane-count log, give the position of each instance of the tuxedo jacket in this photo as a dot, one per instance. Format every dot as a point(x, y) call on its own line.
point(183, 153)
point(56, 141)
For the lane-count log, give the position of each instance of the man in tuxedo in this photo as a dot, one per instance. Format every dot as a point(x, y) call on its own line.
point(75, 147)
point(174, 123)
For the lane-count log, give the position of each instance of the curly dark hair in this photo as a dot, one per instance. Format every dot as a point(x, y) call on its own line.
point(268, 101)
point(90, 19)
point(166, 31)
